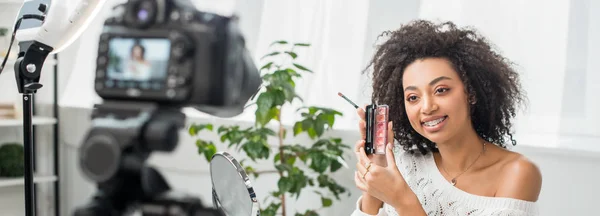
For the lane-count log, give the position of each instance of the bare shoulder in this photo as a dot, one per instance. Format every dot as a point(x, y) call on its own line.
point(521, 178)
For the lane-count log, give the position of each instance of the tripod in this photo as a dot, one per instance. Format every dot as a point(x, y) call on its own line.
point(123, 135)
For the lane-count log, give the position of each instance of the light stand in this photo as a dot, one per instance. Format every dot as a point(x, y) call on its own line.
point(28, 68)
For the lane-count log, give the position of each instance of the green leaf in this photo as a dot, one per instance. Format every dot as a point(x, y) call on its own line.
point(319, 163)
point(281, 76)
point(298, 128)
point(273, 114)
point(277, 158)
point(302, 67)
point(319, 125)
point(196, 128)
point(291, 160)
point(210, 150)
point(301, 44)
point(326, 202)
point(335, 165)
point(289, 91)
point(267, 66)
point(256, 149)
point(283, 167)
point(193, 131)
point(264, 103)
point(312, 133)
point(310, 213)
point(312, 110)
point(330, 120)
point(278, 42)
point(270, 54)
point(292, 54)
point(278, 97)
point(285, 184)
point(271, 210)
point(306, 124)
point(304, 157)
point(292, 72)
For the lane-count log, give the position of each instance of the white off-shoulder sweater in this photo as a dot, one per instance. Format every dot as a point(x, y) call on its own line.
point(439, 197)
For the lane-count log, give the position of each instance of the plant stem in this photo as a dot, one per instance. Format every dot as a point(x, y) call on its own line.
point(282, 158)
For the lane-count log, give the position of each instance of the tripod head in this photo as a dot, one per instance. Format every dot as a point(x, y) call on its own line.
point(114, 155)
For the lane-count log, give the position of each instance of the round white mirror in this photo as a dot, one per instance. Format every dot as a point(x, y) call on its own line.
point(233, 193)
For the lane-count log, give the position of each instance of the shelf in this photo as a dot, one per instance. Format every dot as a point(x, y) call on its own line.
point(37, 120)
point(10, 182)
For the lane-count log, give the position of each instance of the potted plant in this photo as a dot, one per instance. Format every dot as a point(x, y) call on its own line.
point(11, 160)
point(297, 165)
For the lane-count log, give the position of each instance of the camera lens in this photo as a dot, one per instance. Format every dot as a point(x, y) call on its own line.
point(100, 157)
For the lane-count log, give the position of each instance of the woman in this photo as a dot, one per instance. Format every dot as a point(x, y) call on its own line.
point(139, 68)
point(451, 101)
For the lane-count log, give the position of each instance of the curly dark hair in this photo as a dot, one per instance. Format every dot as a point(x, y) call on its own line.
point(488, 77)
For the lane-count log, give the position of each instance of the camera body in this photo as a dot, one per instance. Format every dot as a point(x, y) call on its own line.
point(166, 51)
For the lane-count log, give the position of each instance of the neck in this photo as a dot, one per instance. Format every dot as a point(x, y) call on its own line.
point(459, 153)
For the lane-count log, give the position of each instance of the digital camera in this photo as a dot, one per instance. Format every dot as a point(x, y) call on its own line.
point(167, 51)
point(155, 57)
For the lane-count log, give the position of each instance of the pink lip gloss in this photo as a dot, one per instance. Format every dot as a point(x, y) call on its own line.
point(380, 130)
point(376, 119)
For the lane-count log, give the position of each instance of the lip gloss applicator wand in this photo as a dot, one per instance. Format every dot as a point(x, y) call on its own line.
point(369, 125)
point(349, 101)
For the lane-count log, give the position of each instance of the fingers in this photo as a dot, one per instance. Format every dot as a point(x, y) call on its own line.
point(361, 112)
point(361, 122)
point(363, 156)
point(359, 182)
point(359, 145)
point(361, 170)
point(391, 160)
point(390, 132)
point(362, 127)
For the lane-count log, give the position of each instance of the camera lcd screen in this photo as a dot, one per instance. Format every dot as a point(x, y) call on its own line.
point(141, 60)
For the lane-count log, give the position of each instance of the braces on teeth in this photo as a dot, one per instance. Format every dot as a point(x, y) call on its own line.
point(434, 122)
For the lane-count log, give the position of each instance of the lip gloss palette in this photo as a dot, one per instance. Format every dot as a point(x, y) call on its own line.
point(376, 128)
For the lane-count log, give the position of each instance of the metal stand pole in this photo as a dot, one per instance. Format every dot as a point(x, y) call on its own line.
point(28, 147)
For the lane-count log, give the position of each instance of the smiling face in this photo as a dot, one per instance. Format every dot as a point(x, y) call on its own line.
point(435, 99)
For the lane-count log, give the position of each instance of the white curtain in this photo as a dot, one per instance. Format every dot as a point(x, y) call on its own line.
point(336, 31)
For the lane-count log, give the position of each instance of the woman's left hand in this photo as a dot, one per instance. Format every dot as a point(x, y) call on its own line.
point(385, 183)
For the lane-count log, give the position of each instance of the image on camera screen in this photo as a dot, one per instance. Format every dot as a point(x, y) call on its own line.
point(136, 59)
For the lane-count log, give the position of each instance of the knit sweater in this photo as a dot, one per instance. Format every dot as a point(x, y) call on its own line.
point(439, 197)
